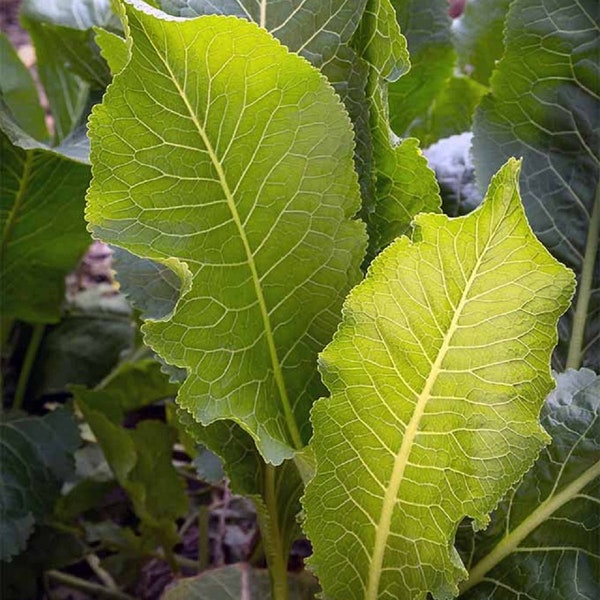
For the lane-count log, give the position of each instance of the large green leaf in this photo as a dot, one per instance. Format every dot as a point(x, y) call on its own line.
point(544, 540)
point(437, 376)
point(479, 37)
point(426, 25)
point(41, 216)
point(37, 456)
point(248, 196)
point(18, 91)
point(543, 107)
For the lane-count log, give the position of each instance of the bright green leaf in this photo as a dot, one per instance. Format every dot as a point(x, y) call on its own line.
point(543, 107)
point(37, 456)
point(113, 48)
point(238, 581)
point(41, 218)
point(437, 376)
point(226, 170)
point(544, 540)
point(18, 90)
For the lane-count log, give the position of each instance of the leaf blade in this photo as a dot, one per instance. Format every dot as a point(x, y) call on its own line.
point(543, 115)
point(262, 211)
point(543, 538)
point(412, 378)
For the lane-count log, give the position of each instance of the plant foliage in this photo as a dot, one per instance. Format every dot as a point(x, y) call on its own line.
point(321, 343)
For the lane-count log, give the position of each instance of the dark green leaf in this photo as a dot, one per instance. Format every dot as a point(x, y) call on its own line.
point(87, 343)
point(150, 286)
point(479, 37)
point(41, 216)
point(68, 60)
point(426, 26)
point(238, 582)
point(544, 106)
point(451, 113)
point(37, 456)
point(131, 385)
point(18, 90)
point(47, 548)
point(141, 460)
point(544, 540)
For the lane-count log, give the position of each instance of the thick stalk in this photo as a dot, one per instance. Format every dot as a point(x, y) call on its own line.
point(584, 291)
point(30, 356)
point(271, 537)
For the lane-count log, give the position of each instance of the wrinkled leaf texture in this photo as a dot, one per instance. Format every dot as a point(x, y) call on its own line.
point(437, 376)
point(236, 170)
point(544, 107)
point(544, 540)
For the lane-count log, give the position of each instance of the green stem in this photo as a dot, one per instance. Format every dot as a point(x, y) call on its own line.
point(584, 292)
point(86, 586)
point(203, 538)
point(30, 356)
point(170, 557)
point(271, 538)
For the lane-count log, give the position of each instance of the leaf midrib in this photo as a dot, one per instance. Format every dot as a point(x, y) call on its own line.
point(542, 513)
point(277, 370)
point(401, 460)
point(19, 199)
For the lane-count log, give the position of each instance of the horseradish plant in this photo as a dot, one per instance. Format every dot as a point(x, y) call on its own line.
point(370, 372)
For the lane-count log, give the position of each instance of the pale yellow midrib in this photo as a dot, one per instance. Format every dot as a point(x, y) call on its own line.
point(542, 513)
point(401, 460)
point(277, 372)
